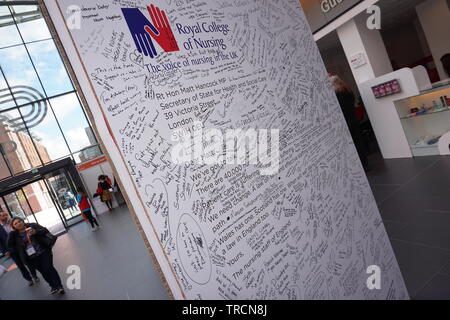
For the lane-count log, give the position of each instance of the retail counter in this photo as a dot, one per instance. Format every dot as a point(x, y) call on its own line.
point(426, 118)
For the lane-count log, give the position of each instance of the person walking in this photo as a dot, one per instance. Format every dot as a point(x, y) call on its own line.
point(33, 243)
point(105, 190)
point(29, 274)
point(85, 208)
point(71, 202)
point(346, 100)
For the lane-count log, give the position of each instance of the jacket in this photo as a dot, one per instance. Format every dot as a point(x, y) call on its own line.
point(347, 104)
point(84, 203)
point(18, 249)
point(3, 240)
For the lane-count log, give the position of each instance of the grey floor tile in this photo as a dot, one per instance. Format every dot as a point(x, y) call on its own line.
point(398, 171)
point(394, 228)
point(437, 289)
point(402, 208)
point(431, 229)
point(446, 269)
point(419, 264)
point(383, 192)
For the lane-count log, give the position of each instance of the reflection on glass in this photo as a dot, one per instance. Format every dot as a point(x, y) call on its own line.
point(19, 207)
point(73, 122)
point(31, 25)
point(50, 68)
point(4, 170)
point(65, 193)
point(17, 146)
point(9, 36)
point(6, 100)
point(20, 74)
point(43, 207)
point(45, 132)
point(3, 207)
point(88, 154)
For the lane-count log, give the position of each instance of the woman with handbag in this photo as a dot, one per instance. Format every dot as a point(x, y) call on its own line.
point(105, 189)
point(33, 244)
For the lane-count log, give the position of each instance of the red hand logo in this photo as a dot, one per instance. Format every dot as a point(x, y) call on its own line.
point(165, 37)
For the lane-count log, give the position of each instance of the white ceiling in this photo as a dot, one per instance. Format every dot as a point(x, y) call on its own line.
point(393, 14)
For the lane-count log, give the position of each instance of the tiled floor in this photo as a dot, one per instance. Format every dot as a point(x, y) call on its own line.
point(413, 196)
point(414, 200)
point(114, 264)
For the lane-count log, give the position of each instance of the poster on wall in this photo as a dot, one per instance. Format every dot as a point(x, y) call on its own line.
point(246, 176)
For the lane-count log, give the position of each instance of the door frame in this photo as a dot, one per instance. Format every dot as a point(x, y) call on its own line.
point(24, 179)
point(18, 182)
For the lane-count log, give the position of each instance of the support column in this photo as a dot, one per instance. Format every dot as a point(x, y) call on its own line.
point(356, 38)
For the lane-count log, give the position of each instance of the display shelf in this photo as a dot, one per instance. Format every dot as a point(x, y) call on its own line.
point(440, 89)
point(422, 151)
point(425, 126)
point(424, 147)
point(411, 116)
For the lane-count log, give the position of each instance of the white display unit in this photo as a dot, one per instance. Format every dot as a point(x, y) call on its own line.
point(423, 130)
point(383, 113)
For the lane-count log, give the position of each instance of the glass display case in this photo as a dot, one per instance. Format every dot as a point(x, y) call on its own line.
point(426, 118)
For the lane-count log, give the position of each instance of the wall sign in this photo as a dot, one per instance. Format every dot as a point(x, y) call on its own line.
point(92, 163)
point(322, 12)
point(164, 73)
point(358, 60)
point(328, 5)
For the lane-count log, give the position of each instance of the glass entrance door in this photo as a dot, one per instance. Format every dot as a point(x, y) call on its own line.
point(45, 209)
point(63, 191)
point(18, 206)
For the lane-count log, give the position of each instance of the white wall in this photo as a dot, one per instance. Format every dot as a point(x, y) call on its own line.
point(434, 15)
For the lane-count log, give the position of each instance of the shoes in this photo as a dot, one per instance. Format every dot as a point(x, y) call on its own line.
point(30, 283)
point(36, 280)
point(58, 290)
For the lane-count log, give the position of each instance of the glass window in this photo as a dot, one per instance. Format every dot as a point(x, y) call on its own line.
point(6, 100)
point(9, 36)
point(73, 122)
point(45, 132)
point(20, 74)
point(3, 205)
point(18, 148)
point(4, 170)
point(31, 25)
point(87, 154)
point(50, 68)
point(55, 128)
point(18, 205)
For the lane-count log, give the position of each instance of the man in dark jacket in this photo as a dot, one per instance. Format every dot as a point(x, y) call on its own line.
point(5, 229)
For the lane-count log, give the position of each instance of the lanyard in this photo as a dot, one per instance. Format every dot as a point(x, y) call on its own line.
point(28, 238)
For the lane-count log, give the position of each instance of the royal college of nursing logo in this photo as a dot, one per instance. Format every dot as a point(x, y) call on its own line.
point(143, 31)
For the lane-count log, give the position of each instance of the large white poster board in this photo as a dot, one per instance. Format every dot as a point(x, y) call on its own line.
point(306, 227)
